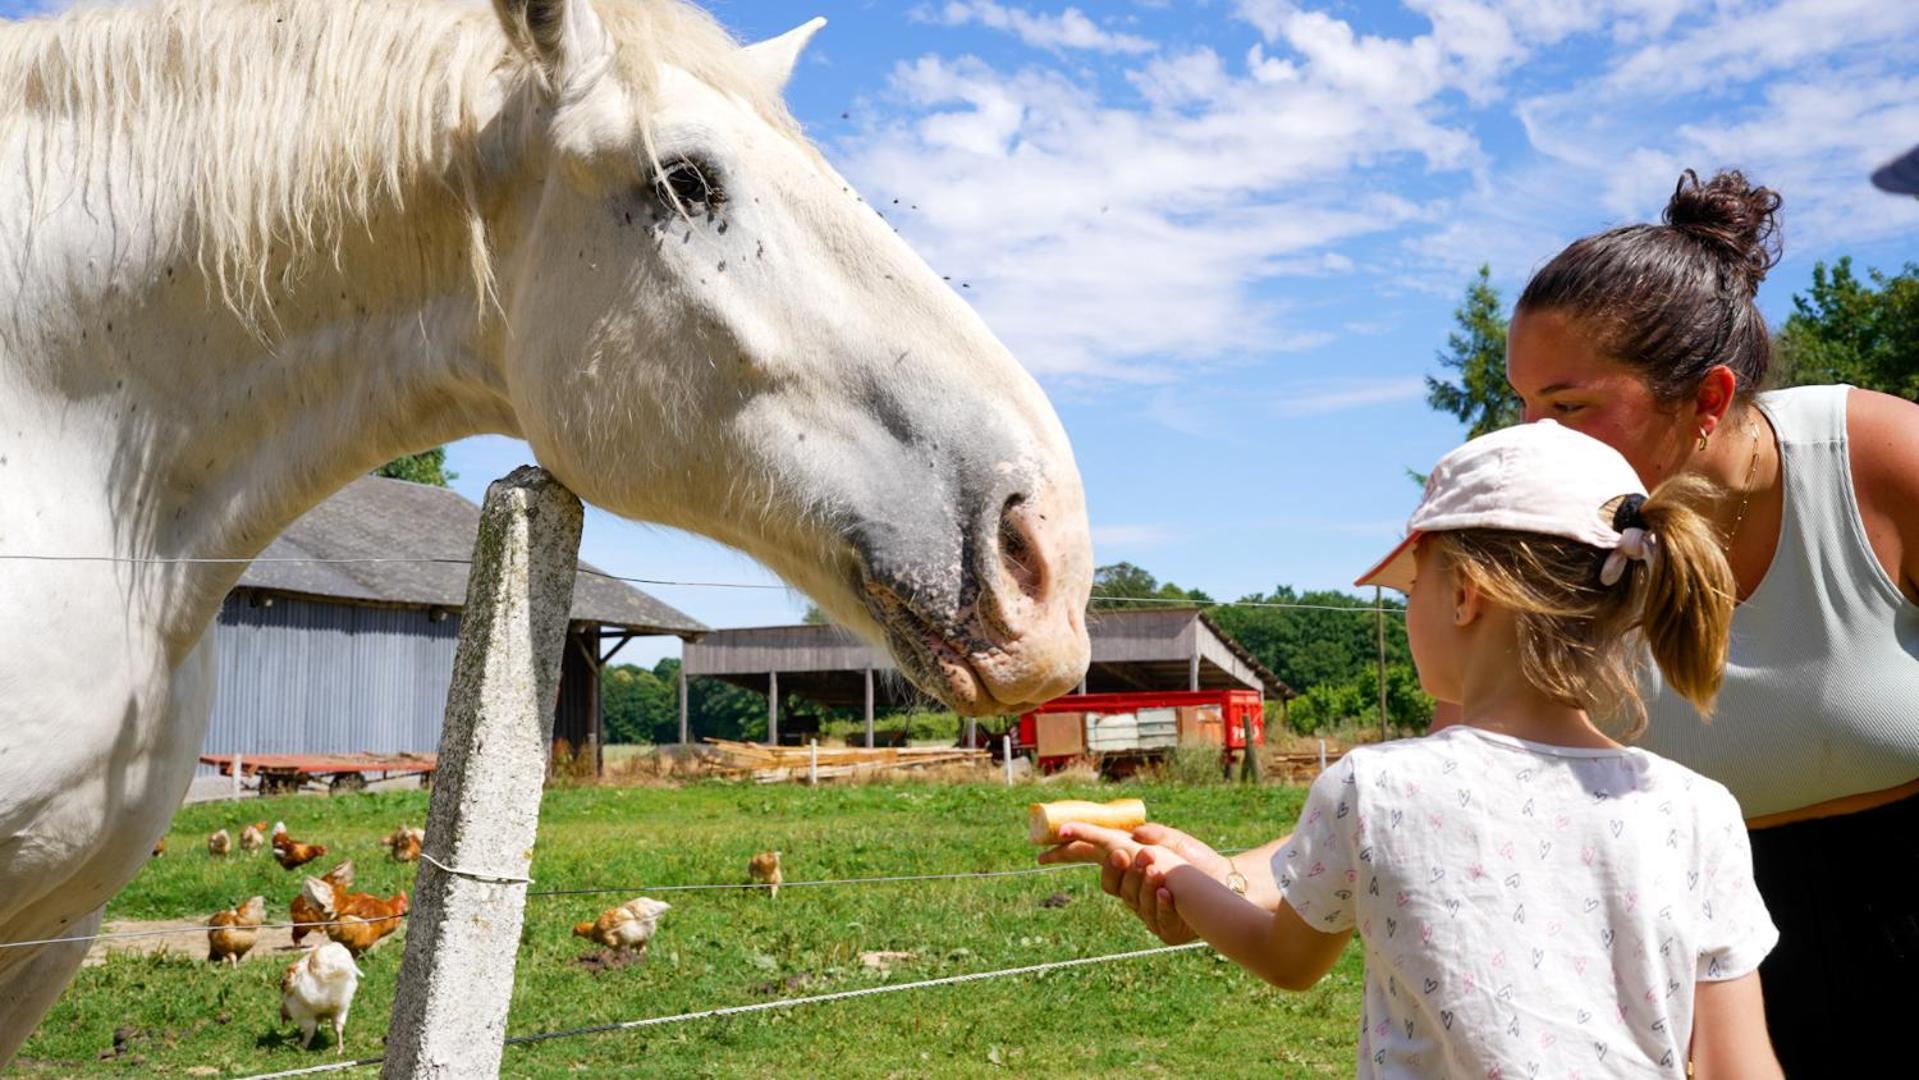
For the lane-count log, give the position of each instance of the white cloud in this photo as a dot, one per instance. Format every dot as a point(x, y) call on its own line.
point(1070, 29)
point(1319, 397)
point(1130, 217)
point(1806, 97)
point(1126, 242)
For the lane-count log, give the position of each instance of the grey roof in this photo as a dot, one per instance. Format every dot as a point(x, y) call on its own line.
point(377, 518)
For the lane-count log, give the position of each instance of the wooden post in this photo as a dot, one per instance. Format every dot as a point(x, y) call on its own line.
point(869, 708)
point(456, 980)
point(1249, 763)
point(686, 734)
point(772, 708)
point(1379, 623)
point(1192, 667)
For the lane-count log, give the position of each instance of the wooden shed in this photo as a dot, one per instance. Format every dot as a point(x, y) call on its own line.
point(1153, 649)
point(340, 636)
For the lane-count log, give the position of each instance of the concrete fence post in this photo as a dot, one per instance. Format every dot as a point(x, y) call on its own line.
point(237, 790)
point(456, 979)
point(1006, 752)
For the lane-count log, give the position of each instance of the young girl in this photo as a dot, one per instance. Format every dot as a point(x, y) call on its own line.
point(1533, 897)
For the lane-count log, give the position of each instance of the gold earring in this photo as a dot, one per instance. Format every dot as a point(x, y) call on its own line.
point(1703, 438)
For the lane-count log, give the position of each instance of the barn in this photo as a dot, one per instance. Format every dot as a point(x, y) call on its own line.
point(340, 636)
point(1134, 650)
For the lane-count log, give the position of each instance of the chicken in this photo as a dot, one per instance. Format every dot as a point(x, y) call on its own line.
point(231, 933)
point(160, 847)
point(219, 843)
point(291, 852)
point(315, 902)
point(320, 986)
point(764, 869)
point(361, 919)
point(404, 843)
point(629, 926)
point(253, 838)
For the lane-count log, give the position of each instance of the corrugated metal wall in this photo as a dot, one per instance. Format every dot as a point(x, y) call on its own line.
point(305, 677)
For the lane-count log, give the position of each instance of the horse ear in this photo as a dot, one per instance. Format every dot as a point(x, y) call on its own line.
point(565, 37)
point(775, 58)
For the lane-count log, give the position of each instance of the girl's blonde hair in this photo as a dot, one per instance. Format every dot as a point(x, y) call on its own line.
point(1579, 639)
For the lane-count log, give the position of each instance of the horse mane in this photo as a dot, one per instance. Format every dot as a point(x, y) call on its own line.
point(279, 125)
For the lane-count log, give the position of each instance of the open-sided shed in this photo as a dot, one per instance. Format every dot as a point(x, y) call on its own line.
point(1152, 649)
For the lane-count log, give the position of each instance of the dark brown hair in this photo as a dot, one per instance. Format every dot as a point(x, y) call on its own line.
point(1579, 638)
point(1675, 299)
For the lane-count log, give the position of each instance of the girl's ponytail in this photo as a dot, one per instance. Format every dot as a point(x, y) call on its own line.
point(1687, 591)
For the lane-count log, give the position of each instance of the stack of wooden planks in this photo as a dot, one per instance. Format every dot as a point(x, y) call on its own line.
point(777, 764)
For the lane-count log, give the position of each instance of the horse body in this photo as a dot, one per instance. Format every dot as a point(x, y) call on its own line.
point(297, 238)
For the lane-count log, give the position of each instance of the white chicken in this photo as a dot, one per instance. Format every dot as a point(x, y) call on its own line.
point(627, 927)
point(320, 986)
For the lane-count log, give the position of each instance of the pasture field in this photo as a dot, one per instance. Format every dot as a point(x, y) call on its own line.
point(1181, 1014)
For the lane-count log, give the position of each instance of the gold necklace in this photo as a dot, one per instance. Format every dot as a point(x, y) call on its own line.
point(1745, 501)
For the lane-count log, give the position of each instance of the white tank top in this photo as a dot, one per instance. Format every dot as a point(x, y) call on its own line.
point(1821, 698)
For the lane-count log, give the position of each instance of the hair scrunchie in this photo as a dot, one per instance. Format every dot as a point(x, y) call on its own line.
point(1636, 541)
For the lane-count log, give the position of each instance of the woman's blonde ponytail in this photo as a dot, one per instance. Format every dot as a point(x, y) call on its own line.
point(1688, 591)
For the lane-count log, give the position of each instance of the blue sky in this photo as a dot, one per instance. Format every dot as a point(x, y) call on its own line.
point(1228, 235)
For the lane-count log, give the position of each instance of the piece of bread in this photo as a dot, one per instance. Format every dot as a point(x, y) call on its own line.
point(1044, 819)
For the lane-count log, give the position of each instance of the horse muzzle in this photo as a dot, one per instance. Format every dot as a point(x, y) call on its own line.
point(1009, 632)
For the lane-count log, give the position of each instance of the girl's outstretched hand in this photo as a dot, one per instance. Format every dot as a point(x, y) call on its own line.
point(1122, 875)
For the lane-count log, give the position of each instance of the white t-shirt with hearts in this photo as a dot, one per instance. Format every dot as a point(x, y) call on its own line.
point(1526, 909)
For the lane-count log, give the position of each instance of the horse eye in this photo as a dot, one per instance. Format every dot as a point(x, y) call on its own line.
point(688, 184)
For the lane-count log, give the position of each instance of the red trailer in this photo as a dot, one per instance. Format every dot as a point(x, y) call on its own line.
point(284, 774)
point(1126, 729)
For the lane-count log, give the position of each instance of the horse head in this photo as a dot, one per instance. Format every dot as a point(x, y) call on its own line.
point(711, 330)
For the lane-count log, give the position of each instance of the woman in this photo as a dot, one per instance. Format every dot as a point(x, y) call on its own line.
point(1648, 338)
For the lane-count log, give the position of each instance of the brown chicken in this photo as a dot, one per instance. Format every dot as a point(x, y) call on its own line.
point(362, 919)
point(253, 838)
point(292, 853)
point(629, 926)
point(764, 869)
point(403, 844)
point(231, 933)
point(160, 847)
point(316, 899)
point(219, 843)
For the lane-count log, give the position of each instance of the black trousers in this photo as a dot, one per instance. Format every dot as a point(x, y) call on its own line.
point(1842, 986)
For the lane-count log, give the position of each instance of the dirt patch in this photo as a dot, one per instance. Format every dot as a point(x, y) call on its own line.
point(609, 960)
point(188, 937)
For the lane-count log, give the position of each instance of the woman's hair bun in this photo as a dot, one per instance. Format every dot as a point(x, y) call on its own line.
point(1738, 220)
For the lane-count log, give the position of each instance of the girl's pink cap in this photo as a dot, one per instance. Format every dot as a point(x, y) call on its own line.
point(1537, 478)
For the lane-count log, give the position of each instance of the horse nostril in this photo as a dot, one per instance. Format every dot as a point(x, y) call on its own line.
point(1018, 555)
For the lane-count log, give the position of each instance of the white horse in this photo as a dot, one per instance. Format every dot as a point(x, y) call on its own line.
point(250, 249)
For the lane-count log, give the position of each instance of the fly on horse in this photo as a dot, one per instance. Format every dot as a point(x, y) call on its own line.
point(254, 248)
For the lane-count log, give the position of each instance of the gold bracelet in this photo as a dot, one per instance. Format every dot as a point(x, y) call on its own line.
point(1235, 880)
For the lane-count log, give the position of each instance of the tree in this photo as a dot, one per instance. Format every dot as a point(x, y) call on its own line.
point(638, 705)
point(1848, 331)
point(815, 617)
point(426, 467)
point(1481, 399)
point(1122, 585)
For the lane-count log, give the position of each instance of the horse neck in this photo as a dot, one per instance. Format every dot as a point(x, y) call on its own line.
point(210, 431)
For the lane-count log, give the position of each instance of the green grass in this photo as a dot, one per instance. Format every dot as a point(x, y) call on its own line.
point(1183, 1014)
